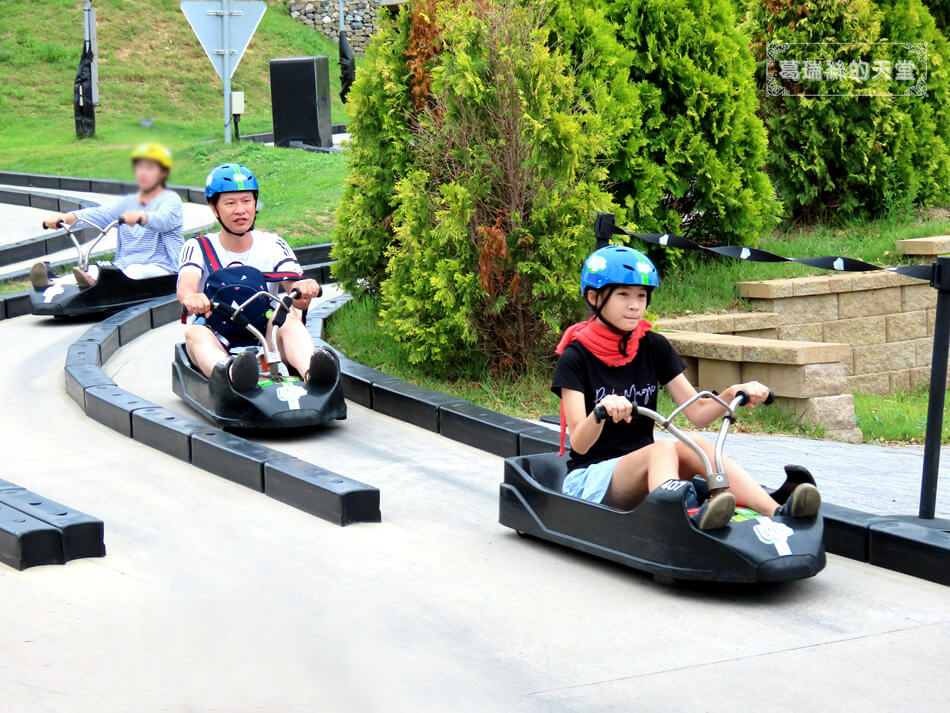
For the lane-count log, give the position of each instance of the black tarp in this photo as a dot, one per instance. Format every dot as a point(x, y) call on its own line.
point(347, 66)
point(83, 107)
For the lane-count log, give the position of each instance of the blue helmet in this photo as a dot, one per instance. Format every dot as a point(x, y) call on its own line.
point(228, 178)
point(618, 265)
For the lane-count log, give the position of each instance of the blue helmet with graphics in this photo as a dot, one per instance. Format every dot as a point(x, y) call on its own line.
point(228, 178)
point(618, 265)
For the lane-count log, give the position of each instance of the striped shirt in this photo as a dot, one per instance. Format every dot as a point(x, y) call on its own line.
point(158, 242)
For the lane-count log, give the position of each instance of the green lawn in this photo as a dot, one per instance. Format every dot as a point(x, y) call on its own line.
point(900, 417)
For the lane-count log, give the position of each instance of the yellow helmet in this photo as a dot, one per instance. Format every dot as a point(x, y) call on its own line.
point(153, 151)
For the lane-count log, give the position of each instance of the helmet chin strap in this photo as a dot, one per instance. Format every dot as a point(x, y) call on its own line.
point(234, 232)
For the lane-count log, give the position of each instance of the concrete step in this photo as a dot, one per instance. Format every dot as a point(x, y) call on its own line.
point(925, 247)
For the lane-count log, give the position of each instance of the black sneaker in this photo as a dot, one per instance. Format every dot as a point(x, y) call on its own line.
point(324, 368)
point(716, 512)
point(243, 371)
point(805, 501)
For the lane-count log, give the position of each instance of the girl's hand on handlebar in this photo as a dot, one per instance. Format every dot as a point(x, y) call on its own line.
point(618, 408)
point(198, 303)
point(756, 392)
point(132, 217)
point(55, 220)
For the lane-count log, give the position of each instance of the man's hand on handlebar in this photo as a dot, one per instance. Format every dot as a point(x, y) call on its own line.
point(54, 220)
point(198, 303)
point(757, 393)
point(308, 289)
point(618, 408)
point(132, 217)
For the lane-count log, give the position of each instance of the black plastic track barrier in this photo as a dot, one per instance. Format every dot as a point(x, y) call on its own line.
point(306, 486)
point(35, 530)
point(883, 540)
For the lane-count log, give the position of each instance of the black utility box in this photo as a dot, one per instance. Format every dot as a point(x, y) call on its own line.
point(300, 100)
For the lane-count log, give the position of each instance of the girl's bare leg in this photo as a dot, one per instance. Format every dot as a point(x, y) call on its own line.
point(639, 472)
point(741, 484)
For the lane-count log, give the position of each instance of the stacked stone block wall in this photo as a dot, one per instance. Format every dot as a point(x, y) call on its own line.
point(887, 319)
point(359, 19)
point(808, 378)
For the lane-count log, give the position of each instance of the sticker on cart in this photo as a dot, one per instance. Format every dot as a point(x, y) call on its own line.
point(774, 533)
point(52, 291)
point(291, 393)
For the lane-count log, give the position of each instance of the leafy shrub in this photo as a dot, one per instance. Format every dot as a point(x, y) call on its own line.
point(492, 226)
point(695, 163)
point(909, 21)
point(841, 157)
point(379, 107)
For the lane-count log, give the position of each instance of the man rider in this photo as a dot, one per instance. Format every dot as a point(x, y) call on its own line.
point(232, 192)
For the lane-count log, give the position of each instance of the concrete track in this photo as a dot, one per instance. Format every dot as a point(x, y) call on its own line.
point(214, 597)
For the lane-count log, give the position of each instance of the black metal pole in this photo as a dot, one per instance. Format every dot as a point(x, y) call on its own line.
point(938, 389)
point(604, 229)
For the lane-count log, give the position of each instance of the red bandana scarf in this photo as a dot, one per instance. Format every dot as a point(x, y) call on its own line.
point(603, 343)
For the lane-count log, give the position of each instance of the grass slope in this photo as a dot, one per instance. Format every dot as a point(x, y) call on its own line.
point(152, 66)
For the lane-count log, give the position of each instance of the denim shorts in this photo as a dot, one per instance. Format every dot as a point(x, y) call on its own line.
point(590, 482)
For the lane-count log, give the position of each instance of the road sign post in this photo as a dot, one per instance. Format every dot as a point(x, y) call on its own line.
point(224, 28)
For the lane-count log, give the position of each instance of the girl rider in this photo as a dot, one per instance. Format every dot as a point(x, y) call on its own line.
point(614, 360)
point(150, 234)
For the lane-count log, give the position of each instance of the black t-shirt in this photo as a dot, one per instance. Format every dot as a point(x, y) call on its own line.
point(656, 364)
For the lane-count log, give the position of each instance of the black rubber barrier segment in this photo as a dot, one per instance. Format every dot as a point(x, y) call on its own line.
point(26, 541)
point(311, 254)
point(315, 327)
point(113, 407)
point(910, 548)
point(165, 312)
point(480, 427)
point(9, 197)
point(135, 322)
point(80, 377)
point(43, 201)
point(106, 335)
point(320, 492)
point(408, 402)
point(15, 178)
point(165, 430)
point(846, 531)
point(82, 353)
point(357, 381)
point(538, 439)
point(17, 305)
point(59, 241)
point(106, 186)
point(231, 457)
point(29, 249)
point(82, 534)
point(72, 183)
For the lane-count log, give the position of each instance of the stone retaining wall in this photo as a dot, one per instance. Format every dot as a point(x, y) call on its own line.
point(359, 19)
point(886, 318)
point(808, 378)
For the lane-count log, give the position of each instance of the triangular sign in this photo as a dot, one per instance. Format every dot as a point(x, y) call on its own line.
point(206, 18)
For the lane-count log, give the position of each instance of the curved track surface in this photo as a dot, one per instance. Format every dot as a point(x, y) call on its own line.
point(214, 597)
